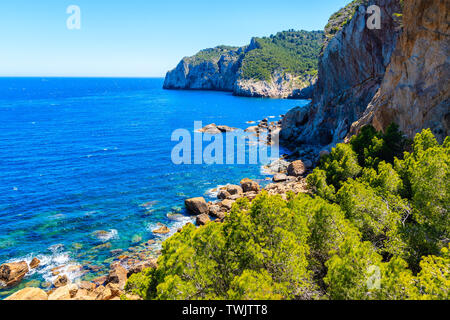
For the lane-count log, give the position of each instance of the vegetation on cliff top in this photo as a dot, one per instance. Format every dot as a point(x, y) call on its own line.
point(212, 54)
point(374, 225)
point(294, 52)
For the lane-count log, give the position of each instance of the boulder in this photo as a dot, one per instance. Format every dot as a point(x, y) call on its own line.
point(196, 205)
point(12, 273)
point(214, 210)
point(251, 195)
point(249, 185)
point(226, 128)
point(29, 294)
point(223, 194)
point(117, 275)
point(296, 168)
point(202, 219)
point(210, 129)
point(84, 294)
point(86, 285)
point(227, 204)
point(34, 263)
point(279, 177)
point(61, 281)
point(141, 266)
point(162, 230)
point(252, 129)
point(64, 293)
point(233, 189)
point(100, 280)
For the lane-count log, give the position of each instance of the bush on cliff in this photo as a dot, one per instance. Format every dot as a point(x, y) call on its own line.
point(367, 230)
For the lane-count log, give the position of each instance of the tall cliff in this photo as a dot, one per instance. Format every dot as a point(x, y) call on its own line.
point(280, 66)
point(351, 68)
point(399, 74)
point(210, 69)
point(415, 90)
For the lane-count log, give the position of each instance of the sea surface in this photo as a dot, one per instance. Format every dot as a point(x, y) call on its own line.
point(86, 169)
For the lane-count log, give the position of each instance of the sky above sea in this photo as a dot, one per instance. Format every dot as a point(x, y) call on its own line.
point(138, 38)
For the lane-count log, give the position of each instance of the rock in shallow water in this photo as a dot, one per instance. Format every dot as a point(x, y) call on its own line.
point(196, 205)
point(12, 273)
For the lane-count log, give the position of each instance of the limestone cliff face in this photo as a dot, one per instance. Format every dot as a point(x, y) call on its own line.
point(351, 69)
point(218, 72)
point(280, 86)
point(415, 90)
point(280, 66)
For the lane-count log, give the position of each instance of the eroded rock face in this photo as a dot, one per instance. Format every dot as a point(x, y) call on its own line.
point(415, 90)
point(280, 86)
point(351, 70)
point(218, 73)
point(12, 273)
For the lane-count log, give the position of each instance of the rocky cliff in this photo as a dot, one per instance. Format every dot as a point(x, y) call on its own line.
point(351, 68)
point(210, 69)
point(399, 74)
point(415, 90)
point(280, 66)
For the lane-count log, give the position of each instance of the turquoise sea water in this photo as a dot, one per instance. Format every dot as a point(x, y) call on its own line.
point(86, 162)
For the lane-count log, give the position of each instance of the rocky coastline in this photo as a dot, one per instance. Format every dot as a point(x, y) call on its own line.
point(288, 175)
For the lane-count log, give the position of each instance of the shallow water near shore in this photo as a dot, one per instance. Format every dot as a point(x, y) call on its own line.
point(86, 170)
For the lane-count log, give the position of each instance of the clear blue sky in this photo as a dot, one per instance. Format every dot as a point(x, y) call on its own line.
point(143, 38)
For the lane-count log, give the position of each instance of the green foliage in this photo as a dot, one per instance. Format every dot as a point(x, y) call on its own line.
point(340, 165)
point(294, 52)
point(367, 230)
point(434, 278)
point(317, 182)
point(373, 147)
point(252, 285)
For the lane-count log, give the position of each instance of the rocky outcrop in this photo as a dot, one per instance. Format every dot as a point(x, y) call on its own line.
point(351, 69)
point(415, 90)
point(290, 73)
point(211, 69)
point(279, 86)
point(398, 74)
point(196, 205)
point(29, 294)
point(12, 273)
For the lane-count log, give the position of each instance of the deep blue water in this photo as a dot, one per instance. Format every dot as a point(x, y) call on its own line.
point(82, 155)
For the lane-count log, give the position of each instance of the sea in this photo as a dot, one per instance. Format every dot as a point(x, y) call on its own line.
point(86, 170)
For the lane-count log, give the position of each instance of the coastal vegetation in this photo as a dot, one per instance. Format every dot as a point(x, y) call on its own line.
point(373, 225)
point(294, 52)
